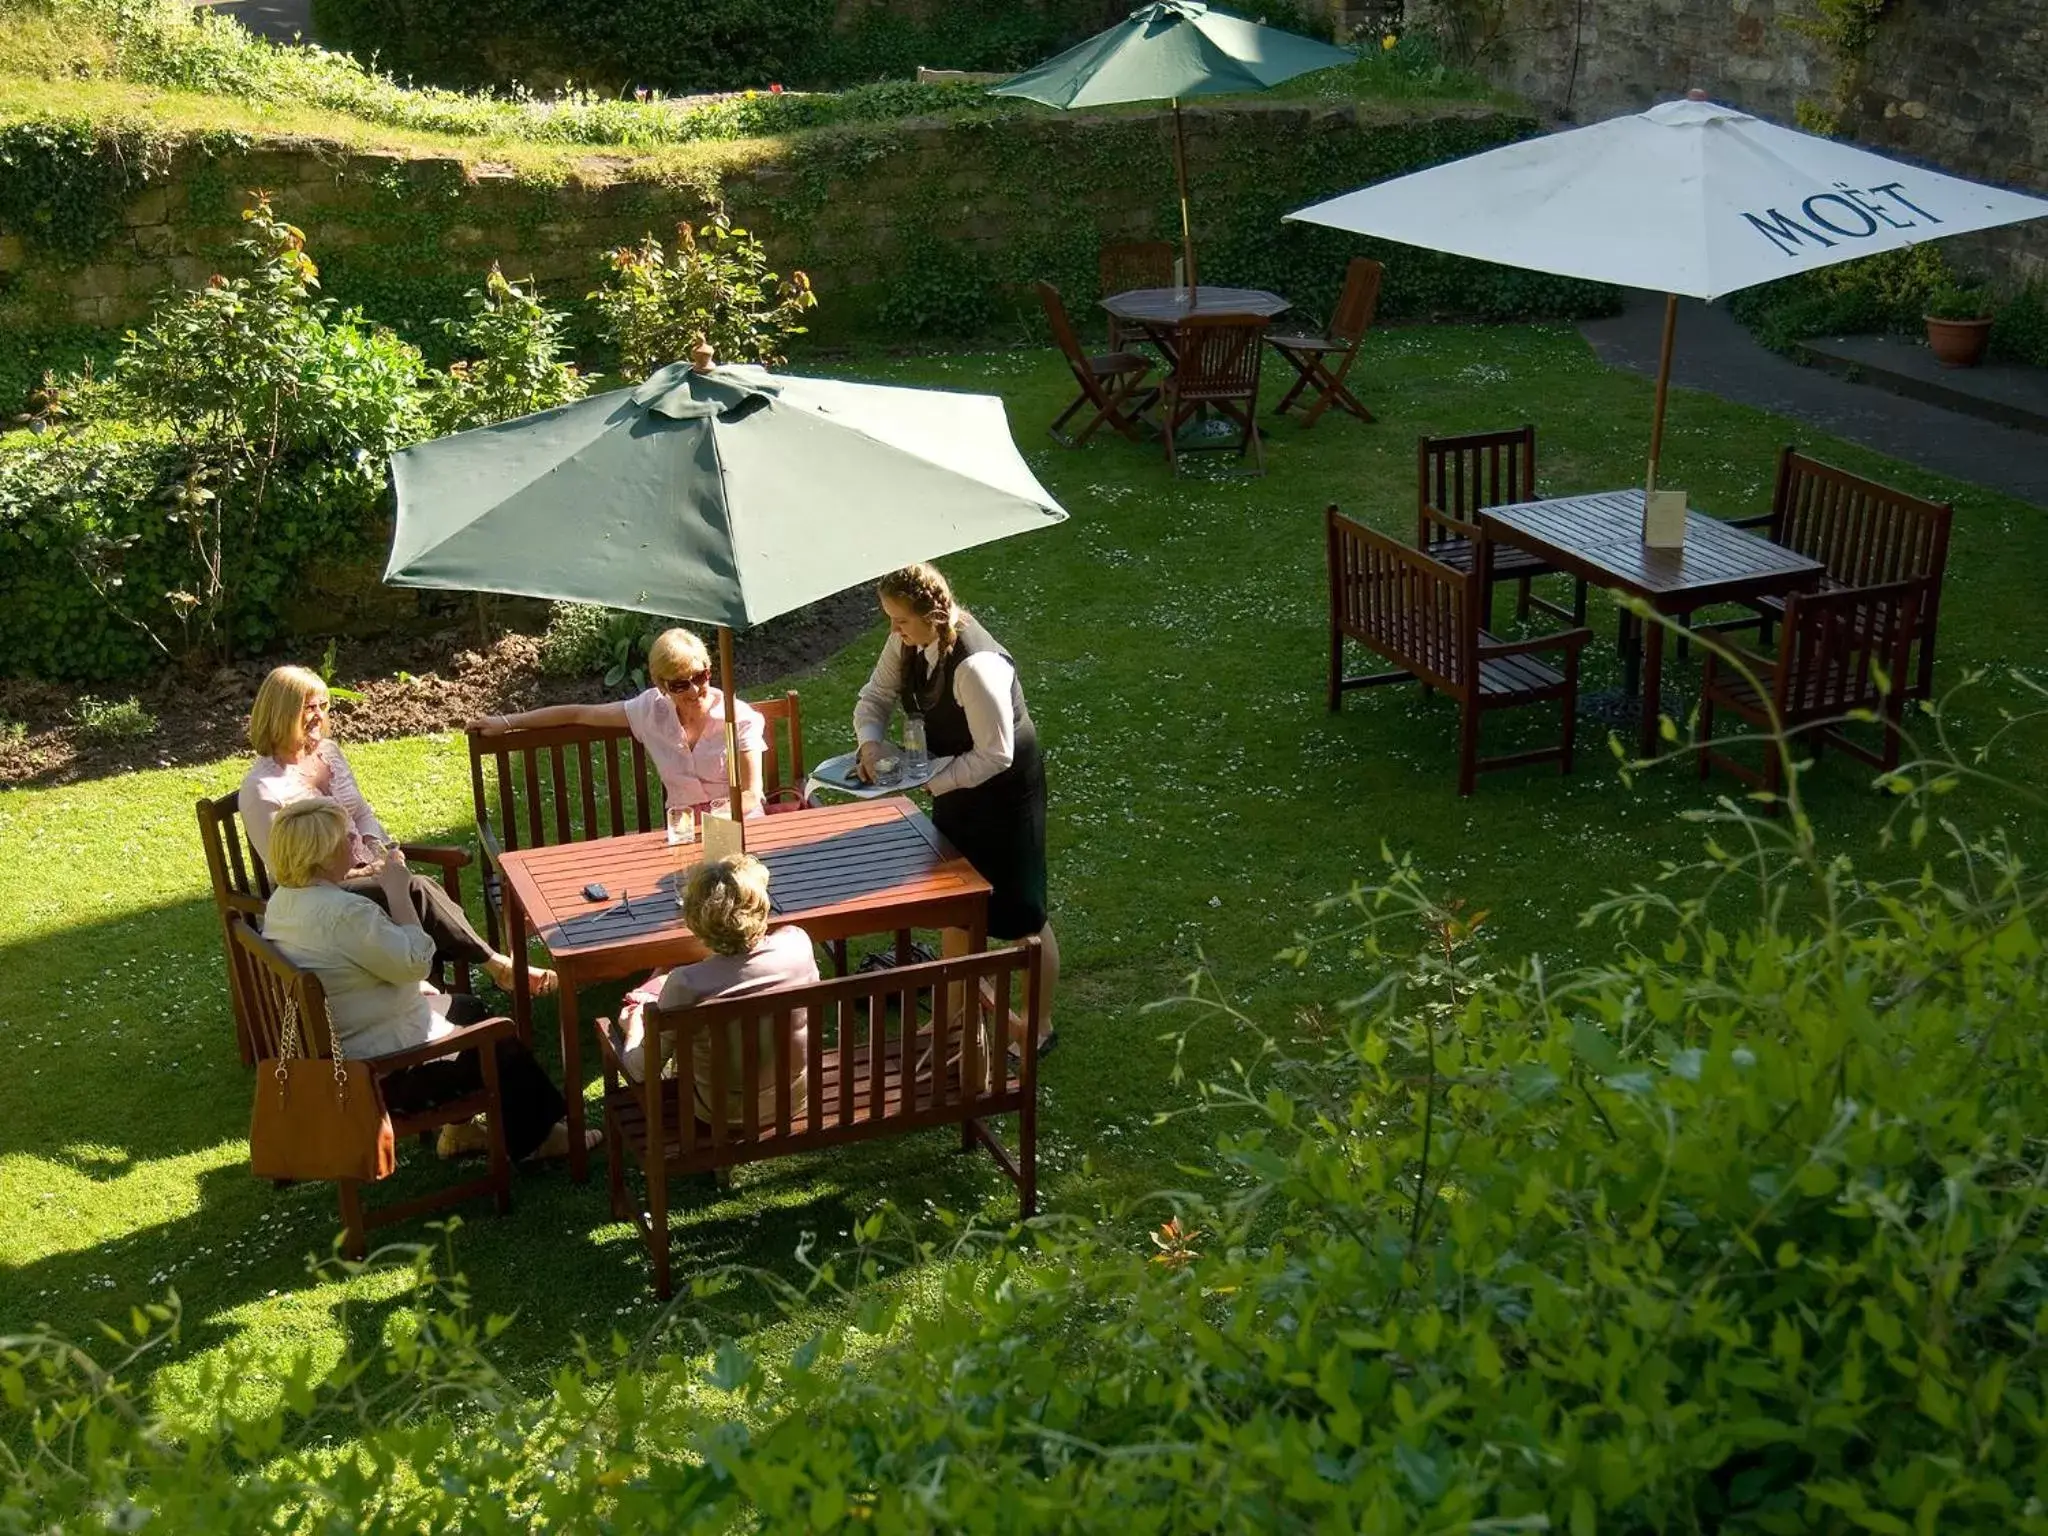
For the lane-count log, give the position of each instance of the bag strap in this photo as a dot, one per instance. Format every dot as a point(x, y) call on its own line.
point(292, 1046)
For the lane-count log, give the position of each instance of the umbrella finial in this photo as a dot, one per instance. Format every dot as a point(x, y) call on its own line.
point(1695, 94)
point(700, 356)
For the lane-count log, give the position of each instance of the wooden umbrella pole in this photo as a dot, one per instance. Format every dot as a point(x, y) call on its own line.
point(1187, 229)
point(732, 733)
point(1663, 388)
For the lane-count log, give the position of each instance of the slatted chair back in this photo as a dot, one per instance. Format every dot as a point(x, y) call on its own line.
point(1216, 357)
point(1063, 335)
point(1358, 302)
point(274, 987)
point(1129, 264)
point(240, 885)
point(782, 758)
point(1844, 650)
point(804, 1068)
point(1417, 612)
point(1457, 478)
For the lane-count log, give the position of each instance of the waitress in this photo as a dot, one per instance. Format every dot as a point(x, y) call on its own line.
point(988, 781)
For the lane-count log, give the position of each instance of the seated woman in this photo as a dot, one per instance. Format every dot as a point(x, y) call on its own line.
point(679, 718)
point(296, 760)
point(373, 962)
point(727, 907)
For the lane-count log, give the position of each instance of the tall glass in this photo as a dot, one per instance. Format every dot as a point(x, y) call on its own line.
point(916, 758)
point(683, 839)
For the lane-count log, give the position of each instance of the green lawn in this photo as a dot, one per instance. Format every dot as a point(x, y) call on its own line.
point(1172, 643)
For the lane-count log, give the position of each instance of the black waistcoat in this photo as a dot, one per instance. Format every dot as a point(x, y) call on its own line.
point(929, 692)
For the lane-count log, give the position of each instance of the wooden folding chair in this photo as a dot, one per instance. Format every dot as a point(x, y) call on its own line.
point(1215, 363)
point(1312, 355)
point(1110, 382)
point(1128, 265)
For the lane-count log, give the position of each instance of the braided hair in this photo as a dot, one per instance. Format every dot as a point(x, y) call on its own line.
point(927, 594)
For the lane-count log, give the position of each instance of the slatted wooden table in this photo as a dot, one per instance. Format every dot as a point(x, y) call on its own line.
point(875, 866)
point(1599, 537)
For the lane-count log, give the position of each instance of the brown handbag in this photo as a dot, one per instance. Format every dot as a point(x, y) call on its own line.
point(318, 1119)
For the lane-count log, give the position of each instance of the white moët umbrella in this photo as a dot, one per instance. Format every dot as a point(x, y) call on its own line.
point(1690, 197)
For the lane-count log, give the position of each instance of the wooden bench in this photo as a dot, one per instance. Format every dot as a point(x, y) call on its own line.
point(1867, 534)
point(273, 986)
point(573, 783)
point(1423, 616)
point(242, 885)
point(1842, 653)
point(762, 1095)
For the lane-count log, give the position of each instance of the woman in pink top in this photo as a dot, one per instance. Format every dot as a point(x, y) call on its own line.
point(297, 760)
point(679, 719)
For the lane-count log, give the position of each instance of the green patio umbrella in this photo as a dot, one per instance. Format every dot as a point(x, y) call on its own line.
point(722, 495)
point(1165, 51)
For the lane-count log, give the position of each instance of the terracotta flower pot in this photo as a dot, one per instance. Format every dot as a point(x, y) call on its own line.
point(1958, 343)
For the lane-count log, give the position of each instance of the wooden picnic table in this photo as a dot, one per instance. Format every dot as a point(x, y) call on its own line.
point(1599, 537)
point(1156, 311)
point(874, 866)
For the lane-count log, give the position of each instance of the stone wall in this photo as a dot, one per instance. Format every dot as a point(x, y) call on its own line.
point(1961, 84)
point(969, 210)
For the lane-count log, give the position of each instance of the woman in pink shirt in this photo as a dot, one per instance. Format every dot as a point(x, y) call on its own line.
point(297, 760)
point(679, 719)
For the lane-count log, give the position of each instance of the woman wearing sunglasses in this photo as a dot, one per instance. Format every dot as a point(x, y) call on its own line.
point(679, 719)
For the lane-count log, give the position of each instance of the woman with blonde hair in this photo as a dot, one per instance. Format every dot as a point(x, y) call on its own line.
point(296, 759)
point(679, 718)
point(988, 780)
point(373, 961)
point(727, 907)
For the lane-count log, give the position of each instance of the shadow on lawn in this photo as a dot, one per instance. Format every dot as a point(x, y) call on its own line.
point(128, 1106)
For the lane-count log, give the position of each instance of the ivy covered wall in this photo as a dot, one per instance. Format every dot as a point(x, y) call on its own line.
point(918, 228)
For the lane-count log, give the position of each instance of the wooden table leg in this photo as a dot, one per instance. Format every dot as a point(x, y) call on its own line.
point(1653, 679)
point(1631, 642)
point(522, 982)
point(572, 1074)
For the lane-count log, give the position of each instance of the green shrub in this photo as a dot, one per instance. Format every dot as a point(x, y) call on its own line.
point(585, 640)
point(684, 46)
point(1959, 301)
point(716, 288)
point(1741, 1229)
point(12, 732)
point(2019, 327)
point(508, 360)
point(1886, 292)
point(112, 720)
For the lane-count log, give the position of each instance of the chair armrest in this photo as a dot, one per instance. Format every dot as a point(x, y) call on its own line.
point(469, 1038)
point(1563, 640)
point(487, 840)
point(1458, 530)
point(608, 1048)
point(437, 854)
point(1754, 520)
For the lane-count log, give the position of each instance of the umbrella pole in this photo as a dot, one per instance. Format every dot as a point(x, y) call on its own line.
point(732, 734)
point(1663, 387)
point(1180, 170)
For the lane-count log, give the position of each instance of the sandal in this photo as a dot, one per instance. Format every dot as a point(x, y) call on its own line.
point(1045, 1048)
point(557, 1143)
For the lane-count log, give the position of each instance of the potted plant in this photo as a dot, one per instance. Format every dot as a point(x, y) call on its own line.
point(1958, 324)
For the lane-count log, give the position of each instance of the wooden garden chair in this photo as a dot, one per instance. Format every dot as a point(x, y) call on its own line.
point(1866, 534)
point(1128, 265)
point(1456, 478)
point(1322, 360)
point(1842, 652)
point(274, 989)
point(1424, 616)
point(1110, 382)
point(919, 1047)
point(242, 885)
point(1215, 366)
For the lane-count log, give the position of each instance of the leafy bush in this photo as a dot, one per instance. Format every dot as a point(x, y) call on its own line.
point(2019, 328)
point(1741, 1229)
point(111, 720)
point(1886, 292)
point(716, 289)
point(583, 639)
point(1959, 301)
point(685, 46)
point(12, 732)
point(509, 350)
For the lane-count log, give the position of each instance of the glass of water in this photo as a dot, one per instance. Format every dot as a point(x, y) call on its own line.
point(682, 844)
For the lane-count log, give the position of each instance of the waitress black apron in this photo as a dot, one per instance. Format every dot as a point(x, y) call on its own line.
point(998, 825)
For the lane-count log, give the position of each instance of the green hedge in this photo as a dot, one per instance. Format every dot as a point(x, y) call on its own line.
point(686, 46)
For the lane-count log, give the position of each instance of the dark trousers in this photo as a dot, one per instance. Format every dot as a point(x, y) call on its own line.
point(440, 915)
point(532, 1103)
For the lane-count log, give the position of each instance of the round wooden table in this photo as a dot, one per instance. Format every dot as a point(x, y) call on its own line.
point(1163, 307)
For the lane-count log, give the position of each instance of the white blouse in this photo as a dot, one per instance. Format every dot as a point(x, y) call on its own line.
point(371, 967)
point(981, 687)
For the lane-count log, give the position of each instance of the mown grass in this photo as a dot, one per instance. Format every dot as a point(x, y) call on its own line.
point(1172, 643)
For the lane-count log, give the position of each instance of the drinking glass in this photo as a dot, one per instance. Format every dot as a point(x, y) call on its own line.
point(915, 754)
point(682, 844)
